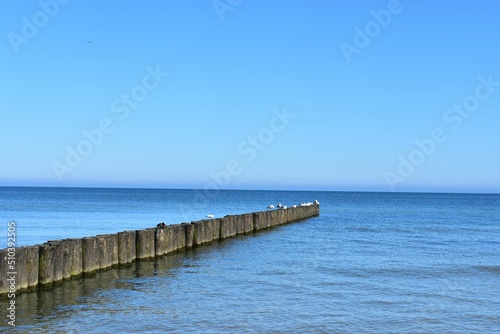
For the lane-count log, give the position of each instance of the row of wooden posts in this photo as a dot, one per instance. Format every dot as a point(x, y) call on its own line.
point(53, 262)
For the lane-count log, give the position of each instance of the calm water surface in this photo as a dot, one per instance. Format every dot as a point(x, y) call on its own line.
point(372, 262)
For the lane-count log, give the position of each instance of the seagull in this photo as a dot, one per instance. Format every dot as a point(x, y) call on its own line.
point(316, 202)
point(270, 206)
point(280, 206)
point(211, 216)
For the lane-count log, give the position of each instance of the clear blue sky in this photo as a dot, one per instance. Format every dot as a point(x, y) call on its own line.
point(231, 67)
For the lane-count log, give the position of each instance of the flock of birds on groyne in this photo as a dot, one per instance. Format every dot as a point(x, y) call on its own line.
point(283, 207)
point(270, 207)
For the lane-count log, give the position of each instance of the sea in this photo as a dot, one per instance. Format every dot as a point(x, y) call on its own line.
point(370, 263)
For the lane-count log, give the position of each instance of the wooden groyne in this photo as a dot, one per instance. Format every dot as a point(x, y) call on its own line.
point(53, 262)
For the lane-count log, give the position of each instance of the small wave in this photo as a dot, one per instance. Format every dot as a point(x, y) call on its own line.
point(491, 269)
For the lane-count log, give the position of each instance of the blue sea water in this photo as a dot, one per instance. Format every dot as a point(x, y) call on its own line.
point(371, 262)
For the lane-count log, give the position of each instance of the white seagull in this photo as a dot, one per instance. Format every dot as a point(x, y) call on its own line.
point(316, 202)
point(270, 206)
point(211, 216)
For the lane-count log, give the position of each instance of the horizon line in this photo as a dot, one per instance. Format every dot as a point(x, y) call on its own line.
point(245, 189)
